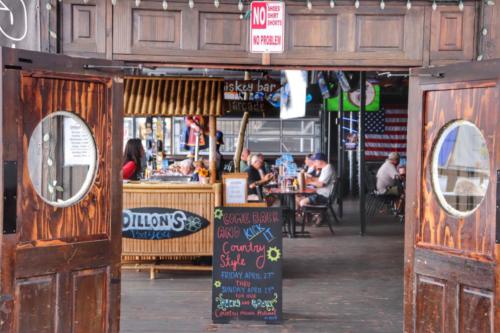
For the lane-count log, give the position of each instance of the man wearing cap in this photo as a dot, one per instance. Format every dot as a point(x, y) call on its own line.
point(324, 183)
point(388, 175)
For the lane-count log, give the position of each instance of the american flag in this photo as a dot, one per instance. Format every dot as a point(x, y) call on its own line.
point(385, 133)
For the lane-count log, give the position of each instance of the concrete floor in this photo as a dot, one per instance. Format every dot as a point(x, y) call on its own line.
point(341, 283)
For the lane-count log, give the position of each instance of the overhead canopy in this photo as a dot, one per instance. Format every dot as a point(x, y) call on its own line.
point(173, 96)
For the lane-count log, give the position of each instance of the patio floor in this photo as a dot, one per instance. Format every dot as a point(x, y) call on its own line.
point(340, 283)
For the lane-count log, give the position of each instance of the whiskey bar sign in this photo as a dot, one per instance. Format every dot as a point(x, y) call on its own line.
point(160, 223)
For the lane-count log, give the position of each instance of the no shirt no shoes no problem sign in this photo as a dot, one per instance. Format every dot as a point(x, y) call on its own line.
point(267, 23)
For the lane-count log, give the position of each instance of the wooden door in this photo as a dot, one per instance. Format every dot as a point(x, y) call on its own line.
point(452, 253)
point(60, 258)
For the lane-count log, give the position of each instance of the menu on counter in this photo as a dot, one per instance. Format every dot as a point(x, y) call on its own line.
point(247, 264)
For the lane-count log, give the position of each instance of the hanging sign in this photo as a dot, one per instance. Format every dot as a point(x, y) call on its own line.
point(160, 223)
point(247, 264)
point(267, 23)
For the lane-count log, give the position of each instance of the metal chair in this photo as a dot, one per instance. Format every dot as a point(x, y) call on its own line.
point(322, 210)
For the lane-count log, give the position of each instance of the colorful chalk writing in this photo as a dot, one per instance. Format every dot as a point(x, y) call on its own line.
point(247, 264)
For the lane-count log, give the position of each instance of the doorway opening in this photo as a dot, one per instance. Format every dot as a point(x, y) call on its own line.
point(329, 280)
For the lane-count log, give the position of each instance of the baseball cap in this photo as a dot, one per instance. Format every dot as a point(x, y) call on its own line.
point(319, 157)
point(219, 138)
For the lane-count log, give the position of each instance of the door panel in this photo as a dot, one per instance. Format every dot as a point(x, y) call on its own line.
point(89, 219)
point(471, 236)
point(60, 271)
point(451, 260)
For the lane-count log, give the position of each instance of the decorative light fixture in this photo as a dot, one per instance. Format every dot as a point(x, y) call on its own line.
point(309, 4)
point(164, 4)
point(332, 4)
point(113, 2)
point(490, 2)
point(484, 31)
point(216, 3)
point(408, 4)
point(191, 4)
point(240, 5)
point(356, 4)
point(137, 3)
point(382, 4)
point(434, 5)
point(461, 5)
point(48, 6)
point(85, 1)
point(480, 57)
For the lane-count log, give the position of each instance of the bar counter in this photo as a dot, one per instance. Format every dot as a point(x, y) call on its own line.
point(195, 198)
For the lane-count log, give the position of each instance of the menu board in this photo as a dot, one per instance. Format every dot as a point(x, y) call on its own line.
point(247, 263)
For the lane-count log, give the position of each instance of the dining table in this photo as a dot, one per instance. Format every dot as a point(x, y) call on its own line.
point(287, 197)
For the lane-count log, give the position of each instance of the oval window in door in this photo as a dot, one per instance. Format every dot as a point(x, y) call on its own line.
point(62, 159)
point(460, 168)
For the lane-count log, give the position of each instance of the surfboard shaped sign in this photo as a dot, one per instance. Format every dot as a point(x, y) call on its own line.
point(160, 223)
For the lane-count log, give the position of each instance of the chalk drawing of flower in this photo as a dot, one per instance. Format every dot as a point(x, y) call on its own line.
point(218, 213)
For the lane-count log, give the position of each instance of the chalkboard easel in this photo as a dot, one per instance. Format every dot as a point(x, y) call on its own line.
point(247, 265)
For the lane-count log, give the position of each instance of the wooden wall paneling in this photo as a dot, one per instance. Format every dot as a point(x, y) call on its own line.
point(325, 36)
point(84, 28)
point(222, 31)
point(202, 34)
point(453, 34)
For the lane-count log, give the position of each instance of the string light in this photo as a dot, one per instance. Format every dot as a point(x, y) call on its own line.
point(85, 1)
point(434, 5)
point(408, 4)
point(191, 4)
point(382, 4)
point(137, 3)
point(309, 4)
point(356, 4)
point(216, 3)
point(332, 4)
point(240, 5)
point(484, 31)
point(461, 5)
point(164, 5)
point(480, 57)
point(490, 2)
point(113, 2)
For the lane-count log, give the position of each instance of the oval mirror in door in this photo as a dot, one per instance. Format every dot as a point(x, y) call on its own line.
point(460, 168)
point(62, 159)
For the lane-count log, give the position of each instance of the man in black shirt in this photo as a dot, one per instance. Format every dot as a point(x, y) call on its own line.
point(256, 176)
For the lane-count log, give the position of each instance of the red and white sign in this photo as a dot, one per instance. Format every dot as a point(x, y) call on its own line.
point(267, 25)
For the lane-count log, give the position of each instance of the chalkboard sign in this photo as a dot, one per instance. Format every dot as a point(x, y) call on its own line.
point(246, 277)
point(160, 223)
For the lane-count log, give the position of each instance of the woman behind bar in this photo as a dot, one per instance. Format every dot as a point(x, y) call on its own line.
point(132, 159)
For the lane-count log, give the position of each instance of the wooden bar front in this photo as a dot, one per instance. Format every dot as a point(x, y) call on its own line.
point(196, 198)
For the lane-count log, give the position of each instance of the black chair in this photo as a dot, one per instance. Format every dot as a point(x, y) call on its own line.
point(310, 210)
point(376, 202)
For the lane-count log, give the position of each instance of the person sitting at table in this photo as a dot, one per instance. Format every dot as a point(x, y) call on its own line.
point(310, 170)
point(244, 159)
point(388, 176)
point(134, 152)
point(256, 176)
point(187, 169)
point(324, 183)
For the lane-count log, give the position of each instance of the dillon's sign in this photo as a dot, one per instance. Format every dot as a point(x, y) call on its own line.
point(160, 223)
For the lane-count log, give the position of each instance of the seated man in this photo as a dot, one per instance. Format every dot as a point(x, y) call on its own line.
point(244, 161)
point(187, 169)
point(324, 183)
point(256, 176)
point(310, 170)
point(388, 175)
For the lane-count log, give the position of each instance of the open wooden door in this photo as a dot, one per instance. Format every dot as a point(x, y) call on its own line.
point(452, 232)
point(61, 145)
